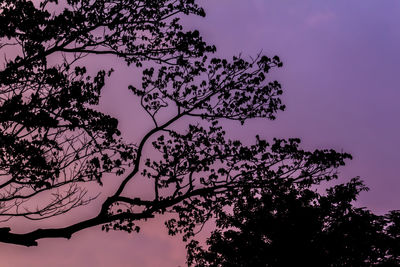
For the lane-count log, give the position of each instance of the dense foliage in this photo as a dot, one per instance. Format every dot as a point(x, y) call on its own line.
point(288, 224)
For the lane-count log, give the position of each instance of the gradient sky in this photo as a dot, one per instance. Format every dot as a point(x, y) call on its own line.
point(341, 79)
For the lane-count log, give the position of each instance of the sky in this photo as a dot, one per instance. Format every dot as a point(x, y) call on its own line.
point(341, 79)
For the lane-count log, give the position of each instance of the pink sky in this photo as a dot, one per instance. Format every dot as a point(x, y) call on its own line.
point(341, 79)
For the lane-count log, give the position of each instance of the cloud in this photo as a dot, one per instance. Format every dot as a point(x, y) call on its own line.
point(319, 18)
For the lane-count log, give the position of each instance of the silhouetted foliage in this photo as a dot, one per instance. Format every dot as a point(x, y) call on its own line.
point(289, 224)
point(53, 139)
point(51, 135)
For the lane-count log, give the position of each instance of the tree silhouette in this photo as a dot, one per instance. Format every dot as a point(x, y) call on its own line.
point(53, 140)
point(289, 224)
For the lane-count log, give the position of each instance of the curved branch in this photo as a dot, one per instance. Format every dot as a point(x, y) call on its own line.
point(140, 149)
point(30, 239)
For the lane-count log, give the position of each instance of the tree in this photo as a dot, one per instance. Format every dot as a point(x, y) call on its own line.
point(53, 141)
point(288, 224)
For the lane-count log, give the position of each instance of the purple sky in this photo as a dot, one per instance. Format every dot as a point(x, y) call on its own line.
point(341, 77)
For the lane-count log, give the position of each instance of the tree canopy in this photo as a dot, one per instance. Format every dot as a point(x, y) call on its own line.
point(288, 224)
point(54, 140)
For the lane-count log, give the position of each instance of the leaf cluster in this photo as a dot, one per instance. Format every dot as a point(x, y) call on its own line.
point(287, 224)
